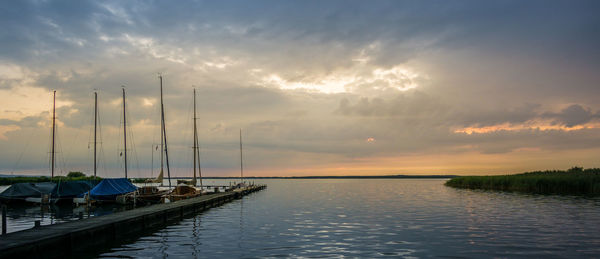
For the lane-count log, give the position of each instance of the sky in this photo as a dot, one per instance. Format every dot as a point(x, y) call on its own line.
point(317, 87)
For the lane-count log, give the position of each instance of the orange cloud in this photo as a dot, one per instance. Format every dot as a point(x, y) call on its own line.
point(533, 125)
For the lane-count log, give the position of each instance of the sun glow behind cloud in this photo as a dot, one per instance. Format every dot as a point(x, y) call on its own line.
point(398, 77)
point(352, 81)
point(328, 85)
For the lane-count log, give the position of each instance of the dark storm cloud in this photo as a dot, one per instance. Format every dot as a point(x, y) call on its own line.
point(34, 28)
point(573, 115)
point(29, 121)
point(486, 117)
point(412, 103)
point(417, 104)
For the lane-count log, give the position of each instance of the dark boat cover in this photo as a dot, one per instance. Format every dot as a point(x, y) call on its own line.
point(20, 191)
point(71, 189)
point(109, 189)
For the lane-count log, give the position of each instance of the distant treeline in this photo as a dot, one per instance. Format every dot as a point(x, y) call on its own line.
point(576, 181)
point(71, 176)
point(335, 177)
point(75, 176)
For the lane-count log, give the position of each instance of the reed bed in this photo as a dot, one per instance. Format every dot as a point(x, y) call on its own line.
point(575, 181)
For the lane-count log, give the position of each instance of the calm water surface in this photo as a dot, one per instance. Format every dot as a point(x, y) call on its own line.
point(380, 218)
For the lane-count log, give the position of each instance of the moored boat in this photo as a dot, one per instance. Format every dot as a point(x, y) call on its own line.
point(182, 192)
point(196, 154)
point(150, 194)
point(43, 192)
point(22, 192)
point(108, 189)
point(66, 191)
point(144, 195)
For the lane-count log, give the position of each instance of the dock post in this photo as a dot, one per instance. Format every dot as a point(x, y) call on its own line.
point(37, 224)
point(3, 219)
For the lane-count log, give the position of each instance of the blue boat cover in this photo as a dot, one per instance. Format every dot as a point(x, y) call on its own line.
point(108, 189)
point(23, 190)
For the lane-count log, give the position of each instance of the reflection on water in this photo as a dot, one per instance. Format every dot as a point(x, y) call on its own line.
point(380, 218)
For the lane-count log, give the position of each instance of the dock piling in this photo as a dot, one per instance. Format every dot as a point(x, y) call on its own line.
point(37, 224)
point(3, 219)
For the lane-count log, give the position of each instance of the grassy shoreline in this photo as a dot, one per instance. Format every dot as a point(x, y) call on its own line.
point(575, 181)
point(39, 179)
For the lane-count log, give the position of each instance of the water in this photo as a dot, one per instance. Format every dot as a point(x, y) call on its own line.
point(23, 216)
point(380, 218)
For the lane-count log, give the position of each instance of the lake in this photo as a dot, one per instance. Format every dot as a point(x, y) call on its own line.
point(380, 218)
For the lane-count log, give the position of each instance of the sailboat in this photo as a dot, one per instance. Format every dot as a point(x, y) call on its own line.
point(84, 198)
point(186, 188)
point(108, 190)
point(159, 179)
point(152, 194)
point(45, 189)
point(46, 192)
point(195, 154)
point(242, 184)
point(34, 192)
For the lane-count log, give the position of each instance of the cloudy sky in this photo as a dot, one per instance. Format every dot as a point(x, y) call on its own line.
point(318, 87)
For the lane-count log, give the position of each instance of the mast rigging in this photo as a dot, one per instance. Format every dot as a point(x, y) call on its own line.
point(164, 129)
point(124, 132)
point(53, 132)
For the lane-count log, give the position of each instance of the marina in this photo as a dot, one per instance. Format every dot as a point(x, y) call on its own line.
point(83, 236)
point(151, 204)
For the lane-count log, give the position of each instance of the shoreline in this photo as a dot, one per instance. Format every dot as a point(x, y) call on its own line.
point(575, 181)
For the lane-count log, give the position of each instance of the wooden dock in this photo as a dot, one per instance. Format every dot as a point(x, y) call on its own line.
point(84, 237)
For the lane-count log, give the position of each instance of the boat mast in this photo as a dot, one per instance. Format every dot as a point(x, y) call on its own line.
point(241, 160)
point(195, 148)
point(197, 145)
point(164, 130)
point(124, 132)
point(199, 167)
point(95, 128)
point(53, 132)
